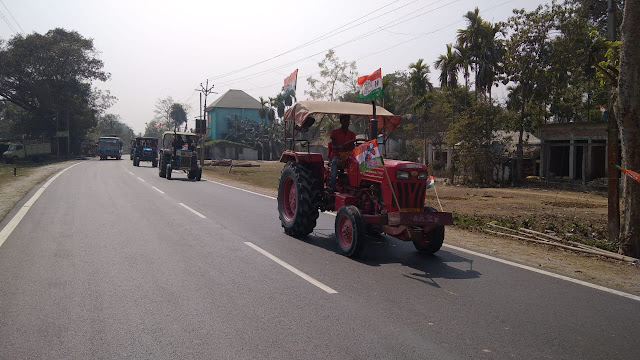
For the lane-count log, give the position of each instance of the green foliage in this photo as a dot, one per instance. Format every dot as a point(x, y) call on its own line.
point(468, 222)
point(48, 76)
point(335, 78)
point(178, 115)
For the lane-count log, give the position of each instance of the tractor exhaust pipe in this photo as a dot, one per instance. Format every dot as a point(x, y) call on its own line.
point(373, 123)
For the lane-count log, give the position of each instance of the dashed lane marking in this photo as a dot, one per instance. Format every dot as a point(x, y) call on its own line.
point(489, 257)
point(158, 190)
point(13, 223)
point(291, 268)
point(193, 211)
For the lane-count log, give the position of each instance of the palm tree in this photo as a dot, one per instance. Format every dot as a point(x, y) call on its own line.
point(470, 39)
point(463, 62)
point(447, 65)
point(490, 57)
point(418, 78)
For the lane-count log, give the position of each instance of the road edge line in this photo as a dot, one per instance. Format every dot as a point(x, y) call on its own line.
point(13, 223)
point(545, 272)
point(291, 268)
point(489, 257)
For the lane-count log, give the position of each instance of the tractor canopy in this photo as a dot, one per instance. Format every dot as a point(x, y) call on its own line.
point(387, 122)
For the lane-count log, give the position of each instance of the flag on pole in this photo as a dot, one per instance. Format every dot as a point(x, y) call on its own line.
point(431, 182)
point(632, 174)
point(291, 81)
point(159, 125)
point(371, 85)
point(368, 156)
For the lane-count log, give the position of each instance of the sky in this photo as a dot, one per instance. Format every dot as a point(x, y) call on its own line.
point(155, 49)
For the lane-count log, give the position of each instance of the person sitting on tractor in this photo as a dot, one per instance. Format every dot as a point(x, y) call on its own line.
point(177, 143)
point(341, 144)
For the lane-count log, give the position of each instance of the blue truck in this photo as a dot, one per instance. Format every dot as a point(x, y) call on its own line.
point(110, 146)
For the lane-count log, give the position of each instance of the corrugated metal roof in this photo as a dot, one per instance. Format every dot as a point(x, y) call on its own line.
point(235, 99)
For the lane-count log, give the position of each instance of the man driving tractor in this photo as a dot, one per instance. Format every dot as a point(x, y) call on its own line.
point(341, 144)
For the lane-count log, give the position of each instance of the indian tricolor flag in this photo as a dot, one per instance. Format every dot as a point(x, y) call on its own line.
point(371, 85)
point(368, 156)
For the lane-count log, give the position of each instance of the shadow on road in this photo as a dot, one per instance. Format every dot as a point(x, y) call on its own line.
point(380, 250)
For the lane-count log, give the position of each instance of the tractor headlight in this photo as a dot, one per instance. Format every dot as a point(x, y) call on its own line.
point(402, 175)
point(422, 175)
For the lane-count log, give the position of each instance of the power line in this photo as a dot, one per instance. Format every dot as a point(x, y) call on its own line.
point(396, 22)
point(8, 23)
point(14, 19)
point(319, 38)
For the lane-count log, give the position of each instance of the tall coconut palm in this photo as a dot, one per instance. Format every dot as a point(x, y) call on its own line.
point(446, 63)
point(418, 78)
point(489, 59)
point(470, 38)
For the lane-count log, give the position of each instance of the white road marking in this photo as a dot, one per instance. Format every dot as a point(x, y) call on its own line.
point(141, 179)
point(489, 257)
point(193, 211)
point(130, 172)
point(158, 190)
point(13, 223)
point(543, 272)
point(237, 188)
point(292, 269)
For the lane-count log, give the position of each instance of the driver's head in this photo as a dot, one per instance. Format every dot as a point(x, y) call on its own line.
point(345, 120)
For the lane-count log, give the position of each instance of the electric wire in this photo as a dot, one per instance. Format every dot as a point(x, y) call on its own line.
point(14, 19)
point(8, 23)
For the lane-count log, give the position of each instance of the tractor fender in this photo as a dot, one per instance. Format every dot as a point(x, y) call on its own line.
point(301, 157)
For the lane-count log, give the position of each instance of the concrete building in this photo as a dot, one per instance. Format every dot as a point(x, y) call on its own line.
point(232, 104)
point(574, 151)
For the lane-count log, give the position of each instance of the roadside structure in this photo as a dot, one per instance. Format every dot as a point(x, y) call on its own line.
point(232, 104)
point(573, 151)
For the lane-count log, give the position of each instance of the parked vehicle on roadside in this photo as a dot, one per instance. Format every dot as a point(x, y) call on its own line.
point(110, 146)
point(33, 149)
point(178, 152)
point(145, 149)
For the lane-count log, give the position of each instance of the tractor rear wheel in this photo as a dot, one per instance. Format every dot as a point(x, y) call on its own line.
point(191, 174)
point(136, 162)
point(162, 169)
point(169, 172)
point(298, 199)
point(431, 241)
point(350, 231)
point(154, 162)
point(199, 174)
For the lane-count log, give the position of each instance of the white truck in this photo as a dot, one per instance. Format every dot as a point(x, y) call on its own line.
point(34, 149)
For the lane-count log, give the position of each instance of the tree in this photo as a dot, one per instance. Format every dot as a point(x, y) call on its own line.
point(151, 129)
point(419, 79)
point(335, 78)
point(447, 64)
point(628, 113)
point(527, 52)
point(51, 76)
point(178, 116)
point(470, 39)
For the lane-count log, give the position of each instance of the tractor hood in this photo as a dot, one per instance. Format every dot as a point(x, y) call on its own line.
point(302, 109)
point(404, 165)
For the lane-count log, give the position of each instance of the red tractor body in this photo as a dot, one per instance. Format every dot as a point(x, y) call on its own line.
point(388, 199)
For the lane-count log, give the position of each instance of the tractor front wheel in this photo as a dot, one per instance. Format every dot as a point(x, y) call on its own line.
point(431, 241)
point(298, 199)
point(350, 231)
point(154, 162)
point(191, 174)
point(169, 172)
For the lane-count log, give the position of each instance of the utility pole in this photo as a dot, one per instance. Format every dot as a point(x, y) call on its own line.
point(612, 144)
point(206, 90)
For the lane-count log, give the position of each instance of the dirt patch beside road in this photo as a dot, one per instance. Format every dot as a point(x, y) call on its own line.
point(565, 211)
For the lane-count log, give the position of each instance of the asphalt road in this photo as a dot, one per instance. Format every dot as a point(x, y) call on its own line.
point(112, 261)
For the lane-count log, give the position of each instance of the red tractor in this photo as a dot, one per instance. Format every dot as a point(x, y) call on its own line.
point(387, 199)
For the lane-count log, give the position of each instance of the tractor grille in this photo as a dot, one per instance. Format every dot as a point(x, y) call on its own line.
point(147, 153)
point(410, 195)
